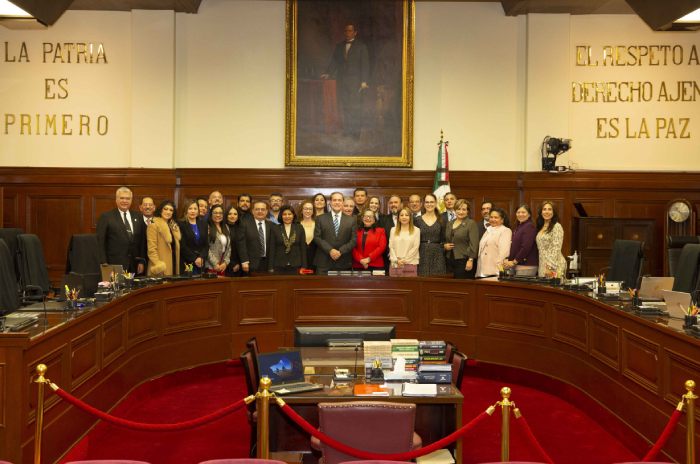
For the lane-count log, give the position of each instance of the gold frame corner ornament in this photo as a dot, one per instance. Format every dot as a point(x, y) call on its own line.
point(292, 158)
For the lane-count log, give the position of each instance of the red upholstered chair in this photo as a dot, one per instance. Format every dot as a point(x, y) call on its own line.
point(242, 461)
point(450, 348)
point(252, 381)
point(644, 462)
point(108, 461)
point(376, 462)
point(459, 359)
point(375, 426)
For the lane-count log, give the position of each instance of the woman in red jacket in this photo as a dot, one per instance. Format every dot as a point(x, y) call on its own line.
point(368, 254)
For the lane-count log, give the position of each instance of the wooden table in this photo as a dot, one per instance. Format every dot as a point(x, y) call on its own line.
point(436, 417)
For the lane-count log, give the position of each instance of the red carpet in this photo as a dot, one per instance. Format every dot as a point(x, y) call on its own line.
point(567, 433)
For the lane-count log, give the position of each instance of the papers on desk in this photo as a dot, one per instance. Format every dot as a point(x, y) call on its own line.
point(368, 389)
point(419, 389)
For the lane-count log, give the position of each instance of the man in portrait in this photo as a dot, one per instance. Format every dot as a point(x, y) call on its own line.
point(349, 65)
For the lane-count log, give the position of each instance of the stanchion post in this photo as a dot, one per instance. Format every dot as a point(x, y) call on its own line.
point(690, 398)
point(505, 424)
point(263, 408)
point(40, 380)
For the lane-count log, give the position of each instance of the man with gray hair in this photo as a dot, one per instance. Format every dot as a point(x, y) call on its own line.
point(335, 236)
point(121, 235)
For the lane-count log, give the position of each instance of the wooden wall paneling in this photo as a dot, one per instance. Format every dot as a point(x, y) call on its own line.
point(2, 206)
point(570, 326)
point(86, 357)
point(640, 361)
point(10, 209)
point(113, 338)
point(605, 342)
point(42, 209)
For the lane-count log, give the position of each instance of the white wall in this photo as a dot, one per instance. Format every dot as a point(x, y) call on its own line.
point(207, 90)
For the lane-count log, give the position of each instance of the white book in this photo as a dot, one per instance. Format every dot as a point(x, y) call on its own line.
point(441, 456)
point(419, 389)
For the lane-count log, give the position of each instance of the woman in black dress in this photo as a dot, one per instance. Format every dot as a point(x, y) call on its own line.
point(287, 244)
point(194, 244)
point(432, 255)
point(232, 218)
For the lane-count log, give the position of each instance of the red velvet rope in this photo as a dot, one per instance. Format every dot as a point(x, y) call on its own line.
point(441, 443)
point(189, 424)
point(663, 438)
point(531, 436)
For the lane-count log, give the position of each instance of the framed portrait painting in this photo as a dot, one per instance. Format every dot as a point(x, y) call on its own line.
point(349, 83)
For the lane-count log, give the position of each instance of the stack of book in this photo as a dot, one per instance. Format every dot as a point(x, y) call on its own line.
point(377, 350)
point(406, 348)
point(433, 368)
point(435, 373)
point(432, 351)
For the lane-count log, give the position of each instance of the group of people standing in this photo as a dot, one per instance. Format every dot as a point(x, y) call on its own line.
point(334, 234)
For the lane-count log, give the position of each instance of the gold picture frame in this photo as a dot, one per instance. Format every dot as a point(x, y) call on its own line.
point(349, 104)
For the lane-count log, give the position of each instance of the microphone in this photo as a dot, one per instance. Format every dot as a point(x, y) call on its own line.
point(357, 350)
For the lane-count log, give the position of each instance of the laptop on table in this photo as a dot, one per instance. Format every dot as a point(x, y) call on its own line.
point(652, 288)
point(677, 303)
point(286, 371)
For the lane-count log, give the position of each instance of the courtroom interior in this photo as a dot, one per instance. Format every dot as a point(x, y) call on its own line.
point(188, 185)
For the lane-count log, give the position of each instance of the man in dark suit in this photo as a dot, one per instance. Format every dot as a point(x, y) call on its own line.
point(121, 235)
point(486, 207)
point(335, 236)
point(450, 199)
point(350, 66)
point(254, 239)
point(388, 221)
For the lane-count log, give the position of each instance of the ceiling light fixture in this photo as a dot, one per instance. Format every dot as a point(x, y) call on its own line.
point(10, 10)
point(692, 17)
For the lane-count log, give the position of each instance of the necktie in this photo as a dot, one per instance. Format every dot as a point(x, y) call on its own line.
point(452, 215)
point(128, 227)
point(261, 235)
point(336, 223)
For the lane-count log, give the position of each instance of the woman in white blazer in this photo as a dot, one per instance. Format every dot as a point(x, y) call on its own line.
point(494, 245)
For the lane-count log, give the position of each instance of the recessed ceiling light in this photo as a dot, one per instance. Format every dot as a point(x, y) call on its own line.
point(10, 10)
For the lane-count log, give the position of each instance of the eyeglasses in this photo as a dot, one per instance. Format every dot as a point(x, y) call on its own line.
point(217, 213)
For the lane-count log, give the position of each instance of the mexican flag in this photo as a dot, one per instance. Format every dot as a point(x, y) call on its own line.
point(441, 184)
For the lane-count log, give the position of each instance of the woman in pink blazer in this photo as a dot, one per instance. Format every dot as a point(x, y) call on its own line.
point(494, 245)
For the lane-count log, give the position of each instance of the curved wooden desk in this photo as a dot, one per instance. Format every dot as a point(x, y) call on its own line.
point(634, 367)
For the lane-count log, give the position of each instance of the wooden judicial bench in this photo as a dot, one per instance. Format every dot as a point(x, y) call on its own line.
point(634, 367)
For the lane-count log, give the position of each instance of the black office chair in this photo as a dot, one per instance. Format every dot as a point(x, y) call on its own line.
point(9, 295)
point(674, 245)
point(33, 274)
point(626, 262)
point(82, 264)
point(686, 275)
point(10, 237)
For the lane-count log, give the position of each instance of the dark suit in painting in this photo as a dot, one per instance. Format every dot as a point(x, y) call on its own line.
point(350, 67)
point(327, 240)
point(116, 246)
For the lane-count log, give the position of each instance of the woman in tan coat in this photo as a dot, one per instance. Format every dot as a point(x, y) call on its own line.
point(163, 240)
